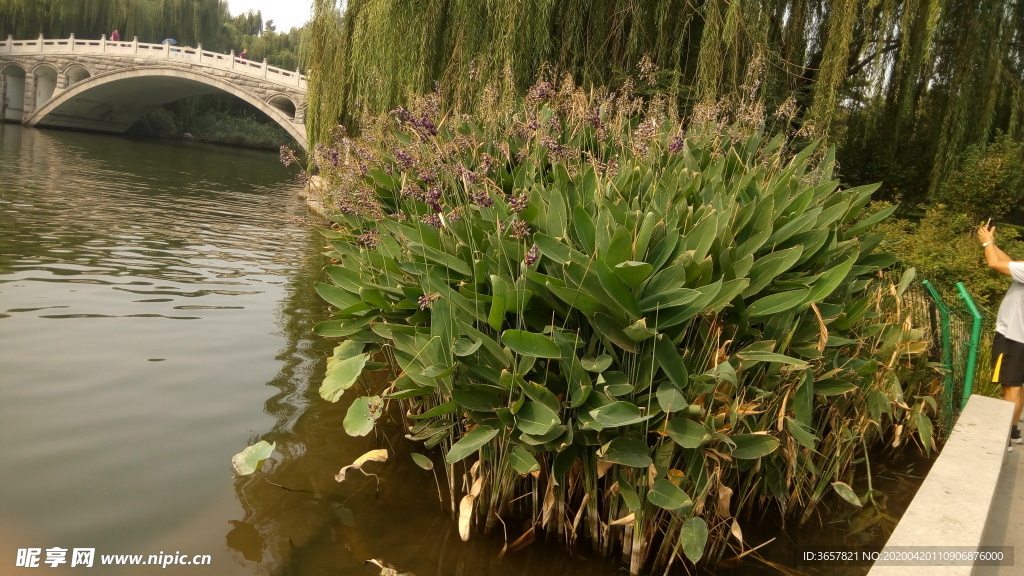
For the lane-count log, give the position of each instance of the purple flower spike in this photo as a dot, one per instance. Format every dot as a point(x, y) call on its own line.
point(428, 299)
point(532, 255)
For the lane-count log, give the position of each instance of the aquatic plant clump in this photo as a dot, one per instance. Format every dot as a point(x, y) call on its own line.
point(631, 334)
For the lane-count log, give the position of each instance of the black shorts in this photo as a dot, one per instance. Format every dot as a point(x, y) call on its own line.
point(1007, 361)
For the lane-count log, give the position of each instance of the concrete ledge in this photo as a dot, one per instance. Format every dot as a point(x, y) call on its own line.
point(952, 505)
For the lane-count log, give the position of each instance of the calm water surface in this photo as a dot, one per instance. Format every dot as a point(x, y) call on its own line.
point(156, 303)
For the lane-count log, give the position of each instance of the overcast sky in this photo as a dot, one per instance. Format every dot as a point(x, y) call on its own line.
point(284, 13)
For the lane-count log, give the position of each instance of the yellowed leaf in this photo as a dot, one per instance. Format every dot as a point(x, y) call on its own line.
point(549, 505)
point(465, 516)
point(523, 541)
point(897, 436)
point(724, 500)
point(371, 456)
point(623, 521)
point(736, 531)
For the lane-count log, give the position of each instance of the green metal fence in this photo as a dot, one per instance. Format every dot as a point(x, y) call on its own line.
point(955, 326)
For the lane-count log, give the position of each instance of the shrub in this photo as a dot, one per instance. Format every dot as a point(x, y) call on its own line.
point(943, 247)
point(989, 182)
point(646, 331)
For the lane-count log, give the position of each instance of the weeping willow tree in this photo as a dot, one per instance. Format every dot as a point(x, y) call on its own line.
point(901, 86)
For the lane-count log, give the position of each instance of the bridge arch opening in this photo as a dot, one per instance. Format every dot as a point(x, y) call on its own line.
point(284, 104)
point(46, 82)
point(76, 73)
point(12, 93)
point(113, 102)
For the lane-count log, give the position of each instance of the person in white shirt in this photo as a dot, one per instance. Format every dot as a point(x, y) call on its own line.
point(1008, 346)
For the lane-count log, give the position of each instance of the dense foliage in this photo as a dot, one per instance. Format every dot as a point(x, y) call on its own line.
point(629, 333)
point(902, 86)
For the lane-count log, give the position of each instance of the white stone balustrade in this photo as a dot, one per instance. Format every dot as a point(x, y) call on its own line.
point(232, 62)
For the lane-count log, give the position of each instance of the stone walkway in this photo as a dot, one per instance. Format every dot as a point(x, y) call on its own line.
point(1005, 526)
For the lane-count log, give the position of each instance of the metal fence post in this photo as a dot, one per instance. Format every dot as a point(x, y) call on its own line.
point(947, 348)
point(972, 354)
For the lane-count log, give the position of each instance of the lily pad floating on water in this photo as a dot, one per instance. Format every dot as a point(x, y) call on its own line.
point(251, 459)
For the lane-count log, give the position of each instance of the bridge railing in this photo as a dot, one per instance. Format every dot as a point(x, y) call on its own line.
point(228, 61)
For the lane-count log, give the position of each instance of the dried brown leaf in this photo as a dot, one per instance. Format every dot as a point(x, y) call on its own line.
point(465, 516)
point(724, 500)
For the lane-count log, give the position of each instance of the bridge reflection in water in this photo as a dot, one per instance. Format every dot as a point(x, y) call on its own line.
point(107, 86)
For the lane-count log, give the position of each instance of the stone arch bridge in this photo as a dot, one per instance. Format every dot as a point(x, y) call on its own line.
point(106, 86)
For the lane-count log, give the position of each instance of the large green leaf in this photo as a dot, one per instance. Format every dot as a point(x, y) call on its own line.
point(628, 493)
point(343, 327)
point(869, 221)
point(557, 251)
point(847, 493)
point(802, 434)
point(557, 217)
point(251, 459)
point(422, 461)
point(700, 238)
point(618, 414)
point(621, 294)
point(347, 278)
point(753, 446)
point(778, 302)
point(470, 443)
point(768, 267)
point(638, 331)
point(687, 433)
point(633, 273)
point(764, 356)
point(628, 452)
point(522, 460)
point(585, 229)
point(671, 398)
point(540, 394)
point(337, 297)
point(679, 314)
point(362, 415)
point(341, 376)
point(611, 329)
point(536, 419)
point(830, 280)
point(477, 399)
point(671, 361)
point(465, 347)
point(667, 495)
point(530, 344)
point(693, 537)
point(669, 298)
point(446, 259)
point(833, 387)
point(599, 364)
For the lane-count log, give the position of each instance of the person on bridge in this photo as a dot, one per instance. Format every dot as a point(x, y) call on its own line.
point(245, 54)
point(1008, 346)
point(114, 36)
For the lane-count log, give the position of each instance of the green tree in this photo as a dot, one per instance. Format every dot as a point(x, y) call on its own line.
point(906, 85)
point(989, 181)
